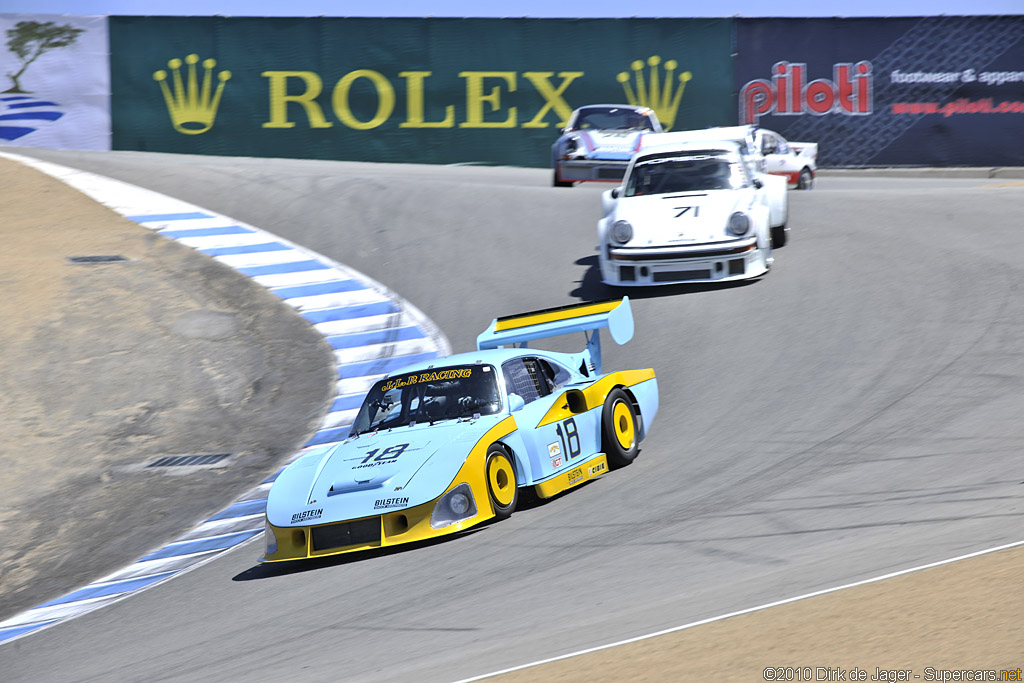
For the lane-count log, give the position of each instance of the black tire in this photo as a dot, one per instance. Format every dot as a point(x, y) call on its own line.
point(806, 179)
point(560, 183)
point(779, 237)
point(619, 432)
point(500, 473)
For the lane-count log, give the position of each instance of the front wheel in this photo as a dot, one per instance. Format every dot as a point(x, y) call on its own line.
point(560, 183)
point(779, 236)
point(501, 481)
point(618, 426)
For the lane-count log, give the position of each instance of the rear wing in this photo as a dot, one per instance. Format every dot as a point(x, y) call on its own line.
point(805, 149)
point(523, 328)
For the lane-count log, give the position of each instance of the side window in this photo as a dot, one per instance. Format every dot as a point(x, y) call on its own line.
point(524, 376)
point(555, 374)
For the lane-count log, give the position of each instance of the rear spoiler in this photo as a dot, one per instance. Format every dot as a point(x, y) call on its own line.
point(805, 149)
point(520, 329)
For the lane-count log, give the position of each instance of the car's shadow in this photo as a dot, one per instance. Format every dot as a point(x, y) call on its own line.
point(592, 289)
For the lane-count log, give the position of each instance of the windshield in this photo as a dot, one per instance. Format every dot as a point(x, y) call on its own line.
point(685, 174)
point(611, 118)
point(428, 396)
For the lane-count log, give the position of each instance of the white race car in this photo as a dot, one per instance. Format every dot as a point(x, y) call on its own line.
point(686, 212)
point(745, 138)
point(598, 141)
point(797, 162)
point(765, 150)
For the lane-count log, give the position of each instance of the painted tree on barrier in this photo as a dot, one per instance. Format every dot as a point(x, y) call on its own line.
point(30, 39)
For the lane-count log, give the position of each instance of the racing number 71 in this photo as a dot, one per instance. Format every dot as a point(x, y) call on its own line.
point(570, 437)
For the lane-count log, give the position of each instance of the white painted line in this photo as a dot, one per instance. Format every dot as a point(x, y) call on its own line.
point(741, 612)
point(356, 385)
point(336, 328)
point(159, 566)
point(264, 258)
point(338, 300)
point(228, 526)
point(359, 354)
point(61, 611)
point(340, 418)
point(219, 241)
point(189, 224)
point(305, 277)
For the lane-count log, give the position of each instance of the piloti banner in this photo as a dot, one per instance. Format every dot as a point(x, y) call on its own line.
point(403, 90)
point(54, 81)
point(933, 91)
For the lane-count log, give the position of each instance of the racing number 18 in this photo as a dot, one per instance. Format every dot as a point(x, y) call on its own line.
point(387, 454)
point(570, 437)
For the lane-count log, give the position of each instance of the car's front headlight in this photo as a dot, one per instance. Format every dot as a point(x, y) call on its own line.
point(454, 506)
point(738, 224)
point(622, 232)
point(571, 145)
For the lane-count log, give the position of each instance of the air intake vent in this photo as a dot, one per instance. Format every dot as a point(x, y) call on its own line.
point(199, 460)
point(110, 258)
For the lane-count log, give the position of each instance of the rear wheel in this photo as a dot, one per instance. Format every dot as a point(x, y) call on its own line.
point(806, 179)
point(619, 429)
point(501, 481)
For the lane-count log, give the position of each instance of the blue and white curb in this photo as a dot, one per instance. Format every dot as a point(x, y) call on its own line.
point(372, 330)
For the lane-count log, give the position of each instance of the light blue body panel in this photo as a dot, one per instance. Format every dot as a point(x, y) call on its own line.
point(406, 466)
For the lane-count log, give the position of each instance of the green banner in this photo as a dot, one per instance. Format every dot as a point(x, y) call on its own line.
point(403, 90)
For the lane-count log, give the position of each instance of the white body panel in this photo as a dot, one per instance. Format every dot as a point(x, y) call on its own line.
point(681, 235)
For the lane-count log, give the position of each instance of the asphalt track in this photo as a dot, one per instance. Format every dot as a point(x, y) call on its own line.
point(854, 413)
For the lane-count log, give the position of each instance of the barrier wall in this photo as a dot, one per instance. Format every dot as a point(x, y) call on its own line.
point(55, 88)
point(416, 90)
point(933, 91)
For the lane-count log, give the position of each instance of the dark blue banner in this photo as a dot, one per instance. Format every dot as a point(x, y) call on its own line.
point(933, 91)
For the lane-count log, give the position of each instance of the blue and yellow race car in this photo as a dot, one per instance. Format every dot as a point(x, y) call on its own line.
point(445, 445)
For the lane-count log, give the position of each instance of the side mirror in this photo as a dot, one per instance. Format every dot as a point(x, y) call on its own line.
point(615, 193)
point(515, 403)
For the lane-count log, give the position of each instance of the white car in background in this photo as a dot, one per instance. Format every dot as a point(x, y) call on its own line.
point(686, 212)
point(598, 141)
point(745, 138)
point(797, 162)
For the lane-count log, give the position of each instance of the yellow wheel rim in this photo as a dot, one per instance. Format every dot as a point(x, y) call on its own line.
point(502, 480)
point(625, 431)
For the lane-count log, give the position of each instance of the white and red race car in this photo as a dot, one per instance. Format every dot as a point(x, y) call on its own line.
point(598, 142)
point(765, 150)
point(796, 161)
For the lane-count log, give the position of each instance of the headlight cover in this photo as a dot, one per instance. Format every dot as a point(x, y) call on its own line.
point(271, 540)
point(738, 224)
point(622, 232)
point(452, 507)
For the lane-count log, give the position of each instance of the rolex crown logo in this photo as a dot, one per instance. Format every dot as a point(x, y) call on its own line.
point(192, 105)
point(656, 90)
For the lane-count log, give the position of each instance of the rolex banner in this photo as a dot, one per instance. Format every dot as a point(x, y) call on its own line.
point(54, 81)
point(403, 90)
point(932, 91)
